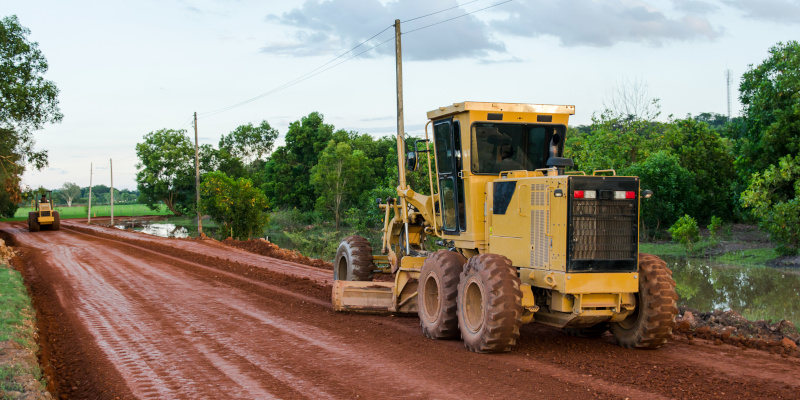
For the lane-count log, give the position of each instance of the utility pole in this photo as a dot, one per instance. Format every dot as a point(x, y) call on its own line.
point(401, 143)
point(197, 177)
point(111, 167)
point(90, 193)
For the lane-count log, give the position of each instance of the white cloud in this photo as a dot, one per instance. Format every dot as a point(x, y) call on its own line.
point(782, 11)
point(601, 24)
point(329, 27)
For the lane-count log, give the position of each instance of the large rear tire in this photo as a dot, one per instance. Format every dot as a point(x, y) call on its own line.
point(56, 221)
point(353, 260)
point(489, 304)
point(437, 294)
point(653, 320)
point(34, 222)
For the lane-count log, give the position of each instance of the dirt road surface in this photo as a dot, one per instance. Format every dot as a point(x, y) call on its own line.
point(125, 315)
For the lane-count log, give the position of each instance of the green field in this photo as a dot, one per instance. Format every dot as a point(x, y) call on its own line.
point(122, 210)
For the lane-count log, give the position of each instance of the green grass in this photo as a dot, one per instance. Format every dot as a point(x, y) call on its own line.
point(17, 324)
point(16, 311)
point(749, 257)
point(121, 210)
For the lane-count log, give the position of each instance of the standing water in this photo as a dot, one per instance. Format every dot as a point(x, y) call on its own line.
point(755, 292)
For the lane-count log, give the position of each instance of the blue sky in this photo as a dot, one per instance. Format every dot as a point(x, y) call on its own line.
point(127, 68)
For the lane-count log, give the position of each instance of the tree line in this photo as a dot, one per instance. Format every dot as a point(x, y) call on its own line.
point(705, 167)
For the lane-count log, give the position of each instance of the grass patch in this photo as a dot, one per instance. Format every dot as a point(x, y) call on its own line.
point(120, 210)
point(16, 311)
point(17, 325)
point(750, 257)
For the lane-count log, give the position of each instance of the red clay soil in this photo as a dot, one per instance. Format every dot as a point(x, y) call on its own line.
point(126, 316)
point(265, 248)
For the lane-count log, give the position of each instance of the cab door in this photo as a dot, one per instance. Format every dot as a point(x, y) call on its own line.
point(451, 183)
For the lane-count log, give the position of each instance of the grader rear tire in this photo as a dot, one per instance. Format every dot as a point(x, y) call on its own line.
point(489, 304)
point(438, 292)
point(354, 260)
point(56, 221)
point(652, 322)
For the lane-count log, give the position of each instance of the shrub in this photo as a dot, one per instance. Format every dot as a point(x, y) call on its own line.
point(714, 227)
point(685, 232)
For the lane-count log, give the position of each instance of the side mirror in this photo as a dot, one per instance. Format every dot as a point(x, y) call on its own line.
point(411, 161)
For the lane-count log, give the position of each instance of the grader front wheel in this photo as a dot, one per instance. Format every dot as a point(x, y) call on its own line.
point(354, 260)
point(489, 304)
point(652, 322)
point(438, 292)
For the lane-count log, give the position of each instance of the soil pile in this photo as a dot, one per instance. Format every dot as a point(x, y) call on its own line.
point(731, 328)
point(265, 248)
point(6, 253)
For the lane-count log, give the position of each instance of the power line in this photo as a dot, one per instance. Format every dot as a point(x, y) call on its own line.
point(296, 80)
point(320, 69)
point(457, 17)
point(440, 11)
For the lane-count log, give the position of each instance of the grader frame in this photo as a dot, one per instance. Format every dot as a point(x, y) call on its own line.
point(526, 240)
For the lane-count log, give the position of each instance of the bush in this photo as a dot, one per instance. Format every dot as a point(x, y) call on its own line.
point(685, 232)
point(714, 227)
point(234, 204)
point(774, 198)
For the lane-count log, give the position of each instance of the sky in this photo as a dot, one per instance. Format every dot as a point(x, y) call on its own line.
point(126, 68)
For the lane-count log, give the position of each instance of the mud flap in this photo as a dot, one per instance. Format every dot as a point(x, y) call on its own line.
point(363, 297)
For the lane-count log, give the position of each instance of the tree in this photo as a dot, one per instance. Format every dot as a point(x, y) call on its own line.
point(287, 173)
point(662, 173)
point(166, 164)
point(770, 94)
point(69, 192)
point(248, 142)
point(234, 204)
point(27, 103)
point(703, 151)
point(631, 100)
point(337, 177)
point(774, 197)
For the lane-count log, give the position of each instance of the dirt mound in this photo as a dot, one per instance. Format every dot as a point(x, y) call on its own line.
point(6, 253)
point(265, 248)
point(731, 328)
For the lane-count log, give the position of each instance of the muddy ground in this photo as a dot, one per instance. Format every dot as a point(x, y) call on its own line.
point(126, 316)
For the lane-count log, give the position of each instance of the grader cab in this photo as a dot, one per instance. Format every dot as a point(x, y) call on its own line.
point(523, 240)
point(45, 216)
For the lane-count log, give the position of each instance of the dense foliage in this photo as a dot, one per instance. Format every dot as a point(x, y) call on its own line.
point(236, 205)
point(27, 102)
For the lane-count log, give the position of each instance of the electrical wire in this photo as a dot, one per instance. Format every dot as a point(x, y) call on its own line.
point(440, 11)
point(457, 17)
point(321, 68)
point(296, 80)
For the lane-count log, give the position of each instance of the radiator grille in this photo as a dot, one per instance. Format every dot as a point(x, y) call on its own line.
point(45, 213)
point(604, 229)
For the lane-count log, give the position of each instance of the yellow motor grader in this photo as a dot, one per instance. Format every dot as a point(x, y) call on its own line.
point(45, 217)
point(523, 240)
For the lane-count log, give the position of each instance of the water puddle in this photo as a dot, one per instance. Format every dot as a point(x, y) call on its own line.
point(754, 292)
point(158, 229)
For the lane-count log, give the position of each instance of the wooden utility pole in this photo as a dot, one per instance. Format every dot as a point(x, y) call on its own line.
point(401, 143)
point(90, 193)
point(197, 177)
point(111, 167)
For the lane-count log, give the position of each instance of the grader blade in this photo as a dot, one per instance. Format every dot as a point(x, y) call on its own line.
point(363, 297)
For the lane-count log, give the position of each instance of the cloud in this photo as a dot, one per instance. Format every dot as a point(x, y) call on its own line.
point(698, 7)
point(781, 11)
point(334, 26)
point(600, 23)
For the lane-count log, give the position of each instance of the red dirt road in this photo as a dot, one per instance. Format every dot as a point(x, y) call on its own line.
point(132, 316)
